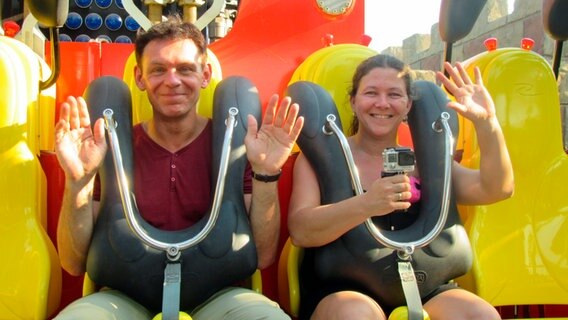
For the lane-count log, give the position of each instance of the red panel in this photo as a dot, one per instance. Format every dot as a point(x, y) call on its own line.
point(80, 64)
point(272, 37)
point(113, 58)
point(533, 311)
point(556, 310)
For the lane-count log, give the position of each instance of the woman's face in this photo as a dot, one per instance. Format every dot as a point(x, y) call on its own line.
point(381, 102)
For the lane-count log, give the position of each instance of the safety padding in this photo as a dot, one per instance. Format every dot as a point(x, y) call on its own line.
point(119, 260)
point(141, 108)
point(90, 287)
point(356, 257)
point(30, 274)
point(457, 18)
point(553, 18)
point(521, 245)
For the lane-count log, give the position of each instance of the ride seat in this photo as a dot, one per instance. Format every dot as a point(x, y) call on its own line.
point(520, 245)
point(30, 275)
point(142, 111)
point(331, 68)
point(431, 101)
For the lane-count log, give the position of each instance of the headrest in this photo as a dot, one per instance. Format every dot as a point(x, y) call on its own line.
point(49, 13)
point(457, 18)
point(554, 14)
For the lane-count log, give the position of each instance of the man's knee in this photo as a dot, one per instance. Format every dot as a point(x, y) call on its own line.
point(239, 303)
point(109, 304)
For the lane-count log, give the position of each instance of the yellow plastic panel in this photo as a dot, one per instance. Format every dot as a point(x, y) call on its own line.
point(46, 113)
point(256, 281)
point(521, 244)
point(141, 108)
point(288, 278)
point(30, 275)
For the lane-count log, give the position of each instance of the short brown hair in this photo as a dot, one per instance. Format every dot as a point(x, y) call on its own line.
point(172, 28)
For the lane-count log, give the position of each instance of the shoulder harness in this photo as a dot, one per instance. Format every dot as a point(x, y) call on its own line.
point(356, 259)
point(119, 260)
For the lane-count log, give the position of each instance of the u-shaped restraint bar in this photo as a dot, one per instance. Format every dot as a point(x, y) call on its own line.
point(357, 257)
point(119, 259)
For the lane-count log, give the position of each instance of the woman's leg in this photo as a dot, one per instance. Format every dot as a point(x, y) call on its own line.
point(104, 305)
point(348, 305)
point(239, 303)
point(460, 304)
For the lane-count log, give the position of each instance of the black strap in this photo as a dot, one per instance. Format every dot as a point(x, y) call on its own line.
point(266, 178)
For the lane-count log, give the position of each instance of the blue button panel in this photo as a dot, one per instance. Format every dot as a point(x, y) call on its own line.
point(100, 20)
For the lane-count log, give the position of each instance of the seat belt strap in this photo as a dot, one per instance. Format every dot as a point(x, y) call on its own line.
point(171, 296)
point(410, 289)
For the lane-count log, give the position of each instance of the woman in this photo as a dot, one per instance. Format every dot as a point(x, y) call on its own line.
point(381, 98)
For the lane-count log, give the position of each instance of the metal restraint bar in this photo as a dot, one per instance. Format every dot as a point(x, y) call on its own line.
point(404, 249)
point(172, 272)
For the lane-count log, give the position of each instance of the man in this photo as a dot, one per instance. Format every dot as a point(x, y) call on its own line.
point(171, 68)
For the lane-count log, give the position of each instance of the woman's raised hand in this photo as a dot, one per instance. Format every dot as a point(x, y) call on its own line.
point(472, 100)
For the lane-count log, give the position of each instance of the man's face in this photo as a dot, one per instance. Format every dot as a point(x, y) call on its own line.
point(173, 74)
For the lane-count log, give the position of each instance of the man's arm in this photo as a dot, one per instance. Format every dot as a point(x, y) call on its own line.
point(268, 148)
point(264, 215)
point(75, 227)
point(80, 151)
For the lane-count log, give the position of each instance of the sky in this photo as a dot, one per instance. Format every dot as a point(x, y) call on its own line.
point(389, 22)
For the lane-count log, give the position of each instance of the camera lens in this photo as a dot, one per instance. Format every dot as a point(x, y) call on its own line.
point(405, 158)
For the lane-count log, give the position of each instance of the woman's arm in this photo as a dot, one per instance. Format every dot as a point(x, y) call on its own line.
point(311, 224)
point(494, 180)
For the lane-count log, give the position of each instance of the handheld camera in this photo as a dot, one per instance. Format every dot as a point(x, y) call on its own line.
point(397, 160)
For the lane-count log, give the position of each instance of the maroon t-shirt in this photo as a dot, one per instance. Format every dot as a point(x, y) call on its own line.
point(173, 190)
